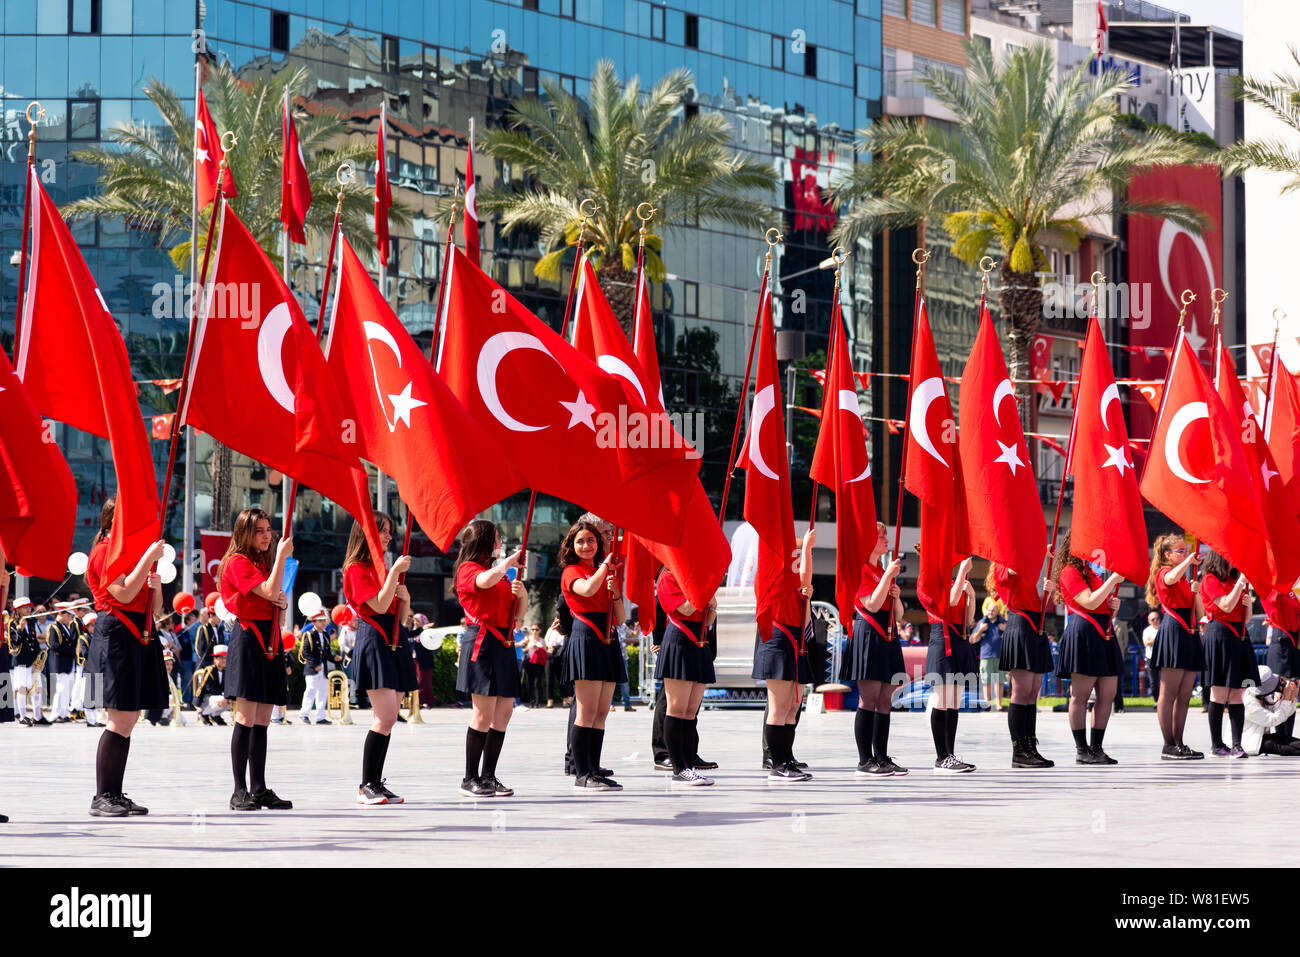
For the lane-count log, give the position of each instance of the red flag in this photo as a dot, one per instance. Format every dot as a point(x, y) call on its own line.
point(383, 191)
point(1198, 473)
point(1004, 514)
point(1151, 391)
point(410, 424)
point(160, 426)
point(1107, 524)
point(208, 155)
point(73, 362)
point(560, 418)
point(768, 507)
point(1102, 30)
point(1275, 504)
point(295, 190)
point(934, 471)
point(840, 462)
point(259, 384)
point(471, 205)
point(38, 497)
point(1282, 427)
point(700, 563)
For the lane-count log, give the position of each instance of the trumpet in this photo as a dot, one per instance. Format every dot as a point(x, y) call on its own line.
point(337, 698)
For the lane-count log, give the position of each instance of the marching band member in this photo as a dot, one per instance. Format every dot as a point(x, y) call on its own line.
point(316, 655)
point(782, 662)
point(873, 659)
point(250, 580)
point(209, 686)
point(62, 641)
point(1177, 651)
point(206, 637)
point(489, 673)
point(1230, 663)
point(1026, 655)
point(385, 668)
point(686, 669)
point(950, 662)
point(1087, 652)
point(125, 665)
point(80, 702)
point(25, 646)
point(1283, 610)
point(592, 661)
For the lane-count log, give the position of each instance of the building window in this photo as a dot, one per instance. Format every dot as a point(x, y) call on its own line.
point(530, 81)
point(690, 298)
point(691, 110)
point(896, 8)
point(954, 16)
point(923, 12)
point(778, 53)
point(810, 61)
point(279, 31)
point(530, 4)
point(692, 31)
point(985, 43)
point(85, 16)
point(83, 119)
point(657, 22)
point(388, 53)
point(566, 9)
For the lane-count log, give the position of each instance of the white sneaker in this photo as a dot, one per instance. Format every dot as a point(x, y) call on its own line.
point(692, 778)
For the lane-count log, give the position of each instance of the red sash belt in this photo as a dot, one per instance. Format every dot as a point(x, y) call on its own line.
point(390, 635)
point(866, 616)
point(1230, 626)
point(261, 639)
point(699, 639)
point(947, 634)
point(1177, 617)
point(484, 628)
point(1031, 621)
point(797, 644)
point(139, 630)
point(1104, 632)
point(600, 631)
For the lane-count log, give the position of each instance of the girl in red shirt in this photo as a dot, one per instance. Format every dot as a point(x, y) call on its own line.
point(1087, 652)
point(1026, 656)
point(489, 671)
point(1229, 655)
point(249, 579)
point(873, 659)
point(685, 666)
point(951, 665)
point(125, 659)
point(385, 668)
point(1177, 650)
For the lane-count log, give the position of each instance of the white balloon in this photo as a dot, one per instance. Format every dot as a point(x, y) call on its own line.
point(167, 572)
point(223, 612)
point(77, 563)
point(169, 554)
point(309, 603)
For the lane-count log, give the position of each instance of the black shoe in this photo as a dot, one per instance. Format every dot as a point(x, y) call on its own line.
point(106, 805)
point(499, 789)
point(787, 774)
point(304, 719)
point(663, 764)
point(477, 788)
point(867, 769)
point(1190, 754)
point(392, 798)
point(1023, 756)
point(888, 765)
point(4, 819)
point(767, 762)
point(604, 772)
point(595, 783)
point(1171, 752)
point(241, 800)
point(206, 719)
point(324, 721)
point(25, 721)
point(42, 720)
point(800, 765)
point(1102, 756)
point(1033, 747)
point(1087, 756)
point(401, 720)
point(269, 799)
point(131, 806)
point(217, 719)
point(699, 764)
point(62, 720)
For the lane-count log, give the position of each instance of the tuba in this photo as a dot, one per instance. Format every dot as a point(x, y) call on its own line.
point(174, 689)
point(412, 704)
point(337, 698)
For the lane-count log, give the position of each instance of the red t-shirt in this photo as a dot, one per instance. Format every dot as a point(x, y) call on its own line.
point(1177, 596)
point(1016, 591)
point(671, 597)
point(1072, 582)
point(956, 614)
point(99, 587)
point(871, 574)
point(1214, 588)
point(1283, 610)
point(238, 580)
point(360, 584)
point(491, 605)
point(599, 602)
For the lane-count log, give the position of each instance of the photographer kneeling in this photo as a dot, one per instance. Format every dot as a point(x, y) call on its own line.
point(1268, 706)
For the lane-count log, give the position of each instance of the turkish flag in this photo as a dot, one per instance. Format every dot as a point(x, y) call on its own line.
point(934, 471)
point(1107, 524)
point(1198, 474)
point(208, 155)
point(1004, 514)
point(410, 424)
point(161, 426)
point(38, 497)
point(1151, 391)
point(1275, 504)
point(840, 462)
point(768, 507)
point(1282, 427)
point(295, 190)
point(471, 208)
point(700, 563)
point(383, 191)
point(73, 362)
point(259, 384)
point(558, 416)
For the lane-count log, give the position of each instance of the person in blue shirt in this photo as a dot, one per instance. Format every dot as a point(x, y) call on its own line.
point(988, 632)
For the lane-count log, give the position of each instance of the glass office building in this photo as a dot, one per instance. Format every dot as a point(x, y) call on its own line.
point(794, 80)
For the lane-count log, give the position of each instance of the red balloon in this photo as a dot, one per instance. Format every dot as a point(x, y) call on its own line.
point(210, 601)
point(182, 603)
point(288, 638)
point(341, 615)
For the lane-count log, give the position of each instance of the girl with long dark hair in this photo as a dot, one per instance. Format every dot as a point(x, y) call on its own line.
point(1230, 664)
point(1177, 651)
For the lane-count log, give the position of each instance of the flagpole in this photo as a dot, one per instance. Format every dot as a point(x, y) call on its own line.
point(1272, 376)
point(826, 376)
point(749, 363)
point(187, 566)
point(27, 219)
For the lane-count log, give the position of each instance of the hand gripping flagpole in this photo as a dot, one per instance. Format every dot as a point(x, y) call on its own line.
point(197, 297)
point(27, 216)
point(773, 238)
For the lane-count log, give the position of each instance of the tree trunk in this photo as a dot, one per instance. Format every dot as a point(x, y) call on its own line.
point(619, 287)
point(221, 482)
point(1021, 298)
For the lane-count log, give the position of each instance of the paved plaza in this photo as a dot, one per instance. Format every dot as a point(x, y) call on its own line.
point(1142, 812)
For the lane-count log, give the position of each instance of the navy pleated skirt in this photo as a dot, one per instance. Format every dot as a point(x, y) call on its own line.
point(1176, 647)
point(1024, 647)
point(1229, 660)
point(868, 656)
point(1086, 651)
point(249, 673)
point(129, 675)
point(588, 658)
point(960, 662)
point(778, 660)
point(381, 666)
point(681, 659)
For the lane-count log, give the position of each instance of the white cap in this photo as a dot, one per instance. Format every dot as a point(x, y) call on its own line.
point(89, 618)
point(22, 602)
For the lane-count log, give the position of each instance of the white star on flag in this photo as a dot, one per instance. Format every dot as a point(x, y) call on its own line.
point(1194, 339)
point(1009, 456)
point(580, 410)
point(1116, 458)
point(1268, 474)
point(403, 404)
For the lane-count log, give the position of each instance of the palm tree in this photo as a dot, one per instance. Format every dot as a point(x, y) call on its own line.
point(1279, 97)
point(1029, 156)
point(621, 147)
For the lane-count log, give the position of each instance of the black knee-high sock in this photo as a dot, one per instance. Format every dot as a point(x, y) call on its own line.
point(581, 751)
point(124, 751)
point(492, 751)
point(675, 740)
point(1031, 721)
point(1236, 718)
point(939, 731)
point(568, 740)
point(475, 741)
point(880, 736)
point(109, 757)
point(1018, 721)
point(372, 763)
point(785, 734)
point(769, 742)
point(1215, 709)
point(1098, 735)
point(692, 744)
point(1080, 738)
point(952, 730)
point(240, 743)
point(257, 759)
point(864, 723)
point(595, 744)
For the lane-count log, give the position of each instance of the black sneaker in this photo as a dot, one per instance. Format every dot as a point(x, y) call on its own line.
point(269, 799)
point(42, 720)
point(800, 765)
point(868, 769)
point(105, 805)
point(498, 789)
point(25, 721)
point(477, 788)
point(691, 778)
point(392, 798)
point(788, 774)
point(1102, 756)
point(664, 765)
point(206, 719)
point(594, 783)
point(304, 719)
point(952, 765)
point(4, 819)
point(217, 719)
point(1171, 752)
point(131, 806)
point(604, 772)
point(767, 763)
point(324, 721)
point(401, 720)
point(370, 794)
point(1190, 754)
point(889, 766)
